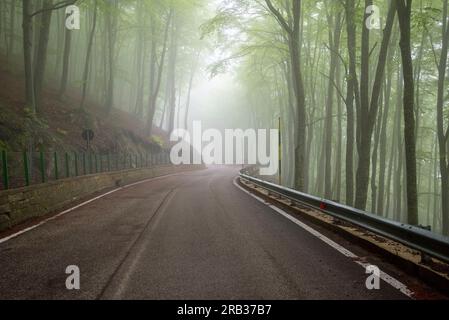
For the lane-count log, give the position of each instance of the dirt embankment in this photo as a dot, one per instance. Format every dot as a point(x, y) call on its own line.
point(60, 122)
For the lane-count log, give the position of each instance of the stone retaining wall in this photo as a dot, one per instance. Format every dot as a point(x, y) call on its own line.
point(19, 205)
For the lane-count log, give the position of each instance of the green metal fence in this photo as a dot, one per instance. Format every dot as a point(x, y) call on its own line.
point(19, 169)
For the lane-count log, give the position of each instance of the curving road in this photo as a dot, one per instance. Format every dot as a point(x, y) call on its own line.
point(193, 235)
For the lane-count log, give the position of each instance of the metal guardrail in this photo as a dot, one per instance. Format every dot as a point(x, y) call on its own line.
point(428, 243)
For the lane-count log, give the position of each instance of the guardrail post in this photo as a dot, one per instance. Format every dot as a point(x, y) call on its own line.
point(5, 170)
point(55, 157)
point(42, 165)
point(425, 258)
point(67, 165)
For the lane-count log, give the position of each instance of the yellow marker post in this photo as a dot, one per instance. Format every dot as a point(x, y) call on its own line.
point(280, 151)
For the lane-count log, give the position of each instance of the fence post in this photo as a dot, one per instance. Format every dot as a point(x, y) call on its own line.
point(67, 168)
point(26, 169)
point(89, 158)
point(96, 163)
point(124, 161)
point(84, 163)
point(5, 169)
point(109, 162)
point(55, 157)
point(42, 165)
point(76, 163)
point(101, 162)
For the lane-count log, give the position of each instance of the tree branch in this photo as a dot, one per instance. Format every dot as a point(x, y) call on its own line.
point(56, 6)
point(279, 17)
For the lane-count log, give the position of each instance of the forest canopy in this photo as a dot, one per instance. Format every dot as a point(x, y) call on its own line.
point(361, 87)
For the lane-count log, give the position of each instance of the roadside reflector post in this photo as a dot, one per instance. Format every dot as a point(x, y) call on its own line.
point(280, 150)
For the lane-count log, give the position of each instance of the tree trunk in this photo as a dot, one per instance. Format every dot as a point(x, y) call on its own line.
point(112, 19)
point(443, 135)
point(404, 15)
point(65, 62)
point(88, 55)
point(368, 110)
point(12, 16)
point(157, 85)
point(41, 60)
point(27, 54)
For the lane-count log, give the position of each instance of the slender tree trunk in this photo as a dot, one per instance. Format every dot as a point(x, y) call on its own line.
point(443, 134)
point(352, 84)
point(189, 90)
point(369, 109)
point(172, 76)
point(88, 55)
point(65, 62)
point(41, 60)
point(334, 41)
point(27, 26)
point(157, 85)
point(404, 13)
point(112, 20)
point(12, 16)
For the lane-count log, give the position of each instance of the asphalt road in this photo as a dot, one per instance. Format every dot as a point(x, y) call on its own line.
point(190, 236)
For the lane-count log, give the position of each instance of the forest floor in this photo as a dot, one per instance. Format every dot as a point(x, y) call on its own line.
point(60, 122)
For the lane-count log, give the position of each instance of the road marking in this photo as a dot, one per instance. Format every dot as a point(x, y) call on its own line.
point(55, 217)
point(384, 276)
point(15, 235)
point(120, 286)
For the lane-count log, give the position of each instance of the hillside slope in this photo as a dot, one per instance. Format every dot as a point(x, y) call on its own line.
point(59, 124)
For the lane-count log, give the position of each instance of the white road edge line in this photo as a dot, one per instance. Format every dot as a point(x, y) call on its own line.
point(15, 235)
point(384, 276)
